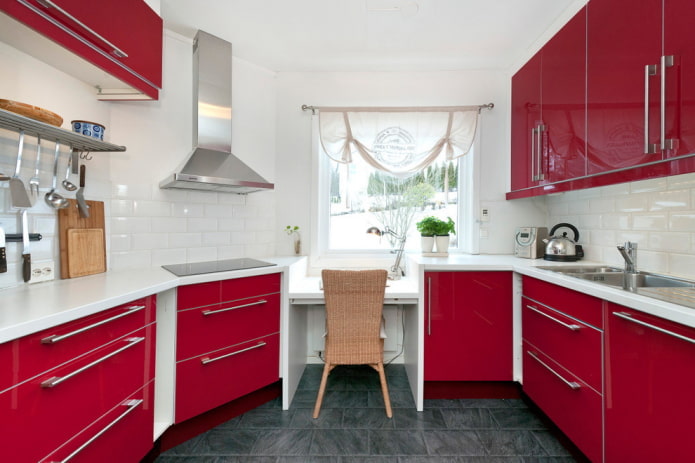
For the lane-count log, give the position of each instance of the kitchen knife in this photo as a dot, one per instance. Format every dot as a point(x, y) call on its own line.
point(3, 255)
point(81, 203)
point(26, 253)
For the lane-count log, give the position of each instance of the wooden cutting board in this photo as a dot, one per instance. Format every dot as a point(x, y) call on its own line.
point(82, 240)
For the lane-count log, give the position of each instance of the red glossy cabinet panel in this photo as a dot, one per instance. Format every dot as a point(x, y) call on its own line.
point(213, 327)
point(468, 326)
point(127, 437)
point(566, 399)
point(204, 294)
point(649, 378)
point(36, 353)
point(526, 113)
point(581, 306)
point(60, 402)
point(623, 38)
point(575, 345)
point(564, 101)
point(213, 379)
point(99, 32)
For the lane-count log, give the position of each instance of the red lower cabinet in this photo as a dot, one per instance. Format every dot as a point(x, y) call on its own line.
point(468, 326)
point(215, 378)
point(650, 373)
point(567, 400)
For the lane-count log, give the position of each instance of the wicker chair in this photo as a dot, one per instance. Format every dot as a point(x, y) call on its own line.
point(354, 306)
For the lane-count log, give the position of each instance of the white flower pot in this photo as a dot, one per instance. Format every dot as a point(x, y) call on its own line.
point(442, 243)
point(427, 243)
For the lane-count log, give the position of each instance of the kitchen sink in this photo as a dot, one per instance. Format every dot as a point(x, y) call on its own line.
point(634, 281)
point(583, 269)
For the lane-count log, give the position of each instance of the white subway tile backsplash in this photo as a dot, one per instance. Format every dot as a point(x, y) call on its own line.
point(169, 225)
point(601, 205)
point(185, 240)
point(681, 182)
point(224, 224)
point(668, 242)
point(216, 238)
point(130, 259)
point(201, 254)
point(649, 221)
point(613, 221)
point(155, 209)
point(669, 200)
point(231, 252)
point(149, 241)
point(651, 185)
point(632, 203)
point(682, 264)
point(614, 191)
point(132, 191)
point(601, 236)
point(187, 210)
point(131, 225)
point(682, 222)
point(201, 225)
point(122, 207)
point(218, 210)
point(168, 256)
point(120, 242)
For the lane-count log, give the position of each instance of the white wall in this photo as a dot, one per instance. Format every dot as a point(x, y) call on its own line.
point(145, 225)
point(294, 158)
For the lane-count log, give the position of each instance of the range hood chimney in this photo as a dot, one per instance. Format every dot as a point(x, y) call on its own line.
point(212, 166)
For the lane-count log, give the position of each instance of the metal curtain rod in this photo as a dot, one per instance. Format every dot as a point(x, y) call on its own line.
point(313, 109)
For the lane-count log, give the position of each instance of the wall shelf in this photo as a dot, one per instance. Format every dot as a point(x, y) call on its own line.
point(78, 142)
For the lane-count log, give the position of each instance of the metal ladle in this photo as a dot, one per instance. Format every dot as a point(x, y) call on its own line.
point(53, 199)
point(67, 184)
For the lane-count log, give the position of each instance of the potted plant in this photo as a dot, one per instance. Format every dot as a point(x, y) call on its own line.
point(443, 230)
point(427, 228)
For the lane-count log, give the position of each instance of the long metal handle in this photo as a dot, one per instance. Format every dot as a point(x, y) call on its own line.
point(429, 306)
point(534, 177)
point(539, 152)
point(649, 70)
point(666, 62)
point(212, 312)
point(566, 325)
point(628, 317)
point(49, 4)
point(52, 339)
point(570, 384)
point(20, 148)
point(56, 380)
point(206, 360)
point(131, 404)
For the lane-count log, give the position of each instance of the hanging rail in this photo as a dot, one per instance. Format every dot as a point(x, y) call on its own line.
point(313, 109)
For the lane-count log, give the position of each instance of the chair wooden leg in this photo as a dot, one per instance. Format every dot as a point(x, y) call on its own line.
point(384, 389)
point(319, 399)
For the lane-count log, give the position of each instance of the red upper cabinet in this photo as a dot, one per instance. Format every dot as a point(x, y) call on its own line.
point(649, 378)
point(122, 38)
point(624, 46)
point(548, 110)
point(468, 326)
point(679, 84)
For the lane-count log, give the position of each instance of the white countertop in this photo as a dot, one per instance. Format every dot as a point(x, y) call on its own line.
point(27, 309)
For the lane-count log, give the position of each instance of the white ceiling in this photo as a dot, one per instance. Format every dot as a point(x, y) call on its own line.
point(372, 35)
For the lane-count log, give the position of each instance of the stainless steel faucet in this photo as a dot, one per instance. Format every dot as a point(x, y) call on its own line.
point(629, 253)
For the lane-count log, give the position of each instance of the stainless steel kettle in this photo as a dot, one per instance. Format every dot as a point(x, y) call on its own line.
point(561, 248)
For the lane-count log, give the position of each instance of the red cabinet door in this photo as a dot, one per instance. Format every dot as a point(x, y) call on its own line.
point(123, 38)
point(468, 326)
point(563, 100)
point(526, 115)
point(680, 78)
point(649, 376)
point(623, 38)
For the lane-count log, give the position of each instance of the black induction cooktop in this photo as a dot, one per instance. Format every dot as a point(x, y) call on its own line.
point(226, 265)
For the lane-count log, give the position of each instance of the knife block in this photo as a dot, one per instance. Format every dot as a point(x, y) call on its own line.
point(82, 240)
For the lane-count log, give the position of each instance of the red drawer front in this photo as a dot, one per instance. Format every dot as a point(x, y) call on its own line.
point(203, 294)
point(39, 352)
point(54, 414)
point(575, 304)
point(577, 412)
point(127, 439)
point(201, 387)
point(577, 346)
point(204, 329)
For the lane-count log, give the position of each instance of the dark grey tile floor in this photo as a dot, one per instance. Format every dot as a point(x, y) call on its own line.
point(353, 428)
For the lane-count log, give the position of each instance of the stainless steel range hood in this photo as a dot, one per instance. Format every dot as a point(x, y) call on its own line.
point(212, 166)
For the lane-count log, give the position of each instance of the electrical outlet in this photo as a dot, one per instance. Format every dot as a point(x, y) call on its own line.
point(485, 214)
point(42, 270)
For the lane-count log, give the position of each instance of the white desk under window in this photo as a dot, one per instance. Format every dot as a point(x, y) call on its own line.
point(306, 291)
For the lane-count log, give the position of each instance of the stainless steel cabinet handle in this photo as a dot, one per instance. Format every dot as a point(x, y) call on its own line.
point(429, 306)
point(649, 70)
point(534, 176)
point(570, 384)
point(628, 317)
point(131, 404)
point(56, 380)
point(566, 325)
point(539, 152)
point(666, 62)
point(206, 360)
point(212, 312)
point(49, 4)
point(52, 339)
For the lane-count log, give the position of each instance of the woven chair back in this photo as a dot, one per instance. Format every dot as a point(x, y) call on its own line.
point(354, 306)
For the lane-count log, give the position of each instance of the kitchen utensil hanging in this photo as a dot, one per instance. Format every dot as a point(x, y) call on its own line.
point(54, 199)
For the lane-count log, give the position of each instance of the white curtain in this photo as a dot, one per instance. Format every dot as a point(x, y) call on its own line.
point(401, 141)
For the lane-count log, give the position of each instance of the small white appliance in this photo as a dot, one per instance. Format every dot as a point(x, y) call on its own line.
point(528, 242)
